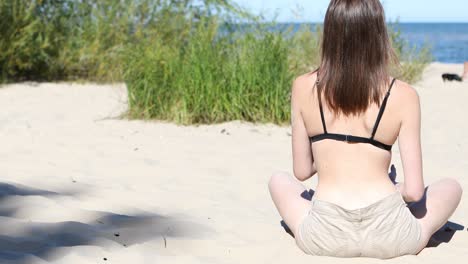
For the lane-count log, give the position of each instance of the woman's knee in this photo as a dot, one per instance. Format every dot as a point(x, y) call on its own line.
point(457, 188)
point(277, 178)
point(454, 187)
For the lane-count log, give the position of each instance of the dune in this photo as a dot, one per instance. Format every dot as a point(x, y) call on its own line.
point(82, 184)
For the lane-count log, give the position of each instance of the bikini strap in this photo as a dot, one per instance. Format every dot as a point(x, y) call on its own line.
point(382, 109)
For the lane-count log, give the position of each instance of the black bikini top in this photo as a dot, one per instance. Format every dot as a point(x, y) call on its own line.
point(355, 139)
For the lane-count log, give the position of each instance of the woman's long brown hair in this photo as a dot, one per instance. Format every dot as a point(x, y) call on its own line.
point(355, 56)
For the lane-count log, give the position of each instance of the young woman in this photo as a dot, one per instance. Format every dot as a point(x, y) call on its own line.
point(345, 118)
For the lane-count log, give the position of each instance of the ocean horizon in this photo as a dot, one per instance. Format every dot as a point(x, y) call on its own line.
point(448, 41)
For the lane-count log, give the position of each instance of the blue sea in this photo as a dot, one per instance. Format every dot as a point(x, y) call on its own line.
point(448, 41)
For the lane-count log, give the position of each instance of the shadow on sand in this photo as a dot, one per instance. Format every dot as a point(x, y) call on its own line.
point(20, 238)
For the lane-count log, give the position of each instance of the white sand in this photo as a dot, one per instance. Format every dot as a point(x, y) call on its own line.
point(74, 175)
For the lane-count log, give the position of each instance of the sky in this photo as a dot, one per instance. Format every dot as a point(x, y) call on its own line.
point(404, 10)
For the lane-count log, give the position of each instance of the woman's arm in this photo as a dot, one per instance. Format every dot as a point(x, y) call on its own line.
point(303, 160)
point(409, 140)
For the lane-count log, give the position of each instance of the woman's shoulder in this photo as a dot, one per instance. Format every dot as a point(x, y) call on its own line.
point(404, 92)
point(304, 84)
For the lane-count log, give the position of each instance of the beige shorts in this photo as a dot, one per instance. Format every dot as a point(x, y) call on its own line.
point(384, 229)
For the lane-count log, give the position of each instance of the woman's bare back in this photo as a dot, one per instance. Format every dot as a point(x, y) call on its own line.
point(351, 175)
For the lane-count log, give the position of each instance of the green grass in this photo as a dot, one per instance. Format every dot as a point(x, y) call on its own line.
point(209, 78)
point(183, 61)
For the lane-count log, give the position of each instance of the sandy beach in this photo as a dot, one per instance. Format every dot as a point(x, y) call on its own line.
point(81, 184)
